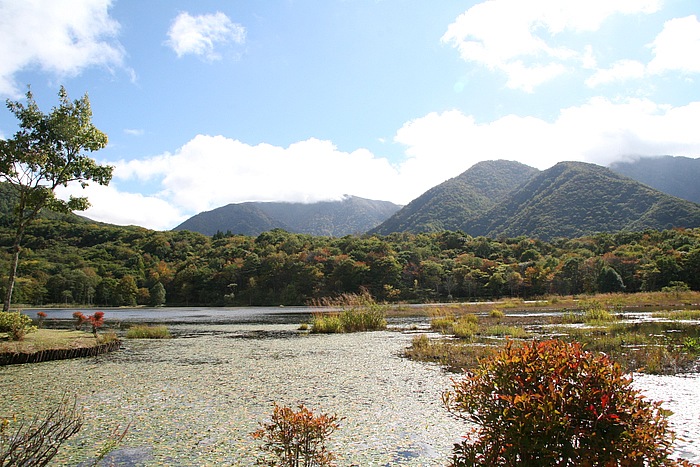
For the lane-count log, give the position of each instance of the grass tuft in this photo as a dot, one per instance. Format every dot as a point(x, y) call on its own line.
point(360, 313)
point(465, 328)
point(142, 331)
point(326, 323)
point(678, 314)
point(496, 313)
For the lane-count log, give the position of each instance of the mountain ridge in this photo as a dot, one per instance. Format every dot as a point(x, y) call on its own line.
point(570, 199)
point(675, 175)
point(453, 203)
point(491, 198)
point(351, 215)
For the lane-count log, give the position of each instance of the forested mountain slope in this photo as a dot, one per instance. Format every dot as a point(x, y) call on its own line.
point(457, 201)
point(573, 199)
point(350, 215)
point(8, 200)
point(677, 176)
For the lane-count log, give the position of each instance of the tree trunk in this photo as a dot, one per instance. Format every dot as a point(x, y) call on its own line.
point(11, 276)
point(16, 248)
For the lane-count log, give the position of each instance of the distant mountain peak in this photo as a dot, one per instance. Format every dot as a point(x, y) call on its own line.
point(675, 175)
point(570, 199)
point(457, 201)
point(573, 199)
point(336, 218)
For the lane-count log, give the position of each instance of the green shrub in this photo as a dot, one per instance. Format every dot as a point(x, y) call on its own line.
point(442, 324)
point(142, 331)
point(360, 313)
point(465, 327)
point(496, 313)
point(326, 323)
point(552, 403)
point(692, 344)
point(595, 312)
point(15, 324)
point(296, 438)
point(676, 288)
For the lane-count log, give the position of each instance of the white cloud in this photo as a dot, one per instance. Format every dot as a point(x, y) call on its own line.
point(527, 78)
point(134, 131)
point(519, 38)
point(199, 35)
point(109, 204)
point(677, 47)
point(212, 171)
point(620, 71)
point(62, 37)
point(600, 131)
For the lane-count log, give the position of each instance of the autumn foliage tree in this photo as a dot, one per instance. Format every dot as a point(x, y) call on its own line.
point(296, 438)
point(553, 403)
point(97, 320)
point(48, 151)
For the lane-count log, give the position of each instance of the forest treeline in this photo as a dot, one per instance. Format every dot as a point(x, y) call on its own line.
point(73, 262)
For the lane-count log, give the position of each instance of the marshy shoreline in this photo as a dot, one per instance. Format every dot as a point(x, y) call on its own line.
point(194, 399)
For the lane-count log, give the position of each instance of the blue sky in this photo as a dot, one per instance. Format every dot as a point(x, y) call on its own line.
point(214, 102)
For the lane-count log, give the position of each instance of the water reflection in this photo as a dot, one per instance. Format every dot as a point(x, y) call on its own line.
point(262, 315)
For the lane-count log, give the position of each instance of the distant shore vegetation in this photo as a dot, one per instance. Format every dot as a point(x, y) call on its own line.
point(69, 262)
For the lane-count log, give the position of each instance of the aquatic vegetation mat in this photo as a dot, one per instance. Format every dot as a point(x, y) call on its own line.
point(195, 400)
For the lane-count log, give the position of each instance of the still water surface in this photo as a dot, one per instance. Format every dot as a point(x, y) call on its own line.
point(195, 399)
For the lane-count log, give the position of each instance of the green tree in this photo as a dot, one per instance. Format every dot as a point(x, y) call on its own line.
point(46, 152)
point(127, 290)
point(610, 281)
point(157, 294)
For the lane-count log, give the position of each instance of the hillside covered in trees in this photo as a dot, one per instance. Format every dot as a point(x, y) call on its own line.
point(570, 199)
point(351, 215)
point(458, 201)
point(70, 261)
point(675, 175)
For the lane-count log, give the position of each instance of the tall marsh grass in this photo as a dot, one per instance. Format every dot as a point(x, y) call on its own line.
point(455, 355)
point(442, 324)
point(359, 312)
point(595, 312)
point(678, 314)
point(496, 313)
point(142, 331)
point(465, 329)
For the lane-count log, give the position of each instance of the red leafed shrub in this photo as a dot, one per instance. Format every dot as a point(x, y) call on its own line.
point(553, 403)
point(80, 319)
point(296, 438)
point(41, 317)
point(96, 321)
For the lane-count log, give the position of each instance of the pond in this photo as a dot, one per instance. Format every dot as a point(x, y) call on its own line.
point(195, 399)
